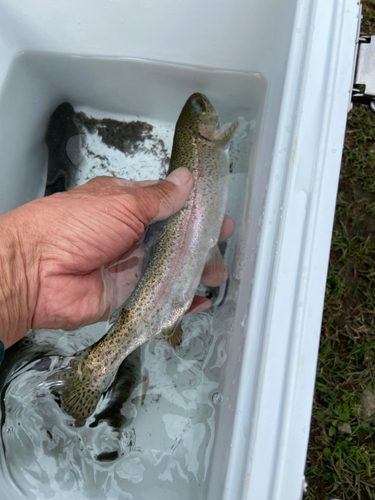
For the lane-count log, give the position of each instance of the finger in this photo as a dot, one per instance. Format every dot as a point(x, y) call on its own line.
point(162, 199)
point(227, 228)
point(144, 184)
point(199, 304)
point(104, 181)
point(154, 200)
point(214, 274)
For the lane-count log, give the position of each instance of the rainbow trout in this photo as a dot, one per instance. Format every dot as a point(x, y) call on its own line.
point(180, 248)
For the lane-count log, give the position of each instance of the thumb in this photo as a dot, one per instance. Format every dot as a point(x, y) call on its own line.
point(170, 194)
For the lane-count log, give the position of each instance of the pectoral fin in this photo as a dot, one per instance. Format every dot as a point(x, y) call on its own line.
point(215, 272)
point(214, 256)
point(225, 136)
point(219, 136)
point(172, 335)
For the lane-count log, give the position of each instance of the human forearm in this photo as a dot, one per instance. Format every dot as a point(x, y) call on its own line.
point(18, 279)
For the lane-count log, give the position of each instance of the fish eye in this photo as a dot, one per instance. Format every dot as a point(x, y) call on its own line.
point(199, 105)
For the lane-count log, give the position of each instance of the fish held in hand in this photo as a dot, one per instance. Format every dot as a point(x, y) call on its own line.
point(178, 249)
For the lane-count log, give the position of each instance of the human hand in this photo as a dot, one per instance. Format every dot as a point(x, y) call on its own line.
point(52, 250)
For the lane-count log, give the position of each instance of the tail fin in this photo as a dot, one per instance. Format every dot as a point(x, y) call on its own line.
point(77, 396)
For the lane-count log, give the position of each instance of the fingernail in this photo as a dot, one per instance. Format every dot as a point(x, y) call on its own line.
point(181, 176)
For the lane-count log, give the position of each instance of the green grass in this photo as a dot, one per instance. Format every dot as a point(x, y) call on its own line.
point(343, 465)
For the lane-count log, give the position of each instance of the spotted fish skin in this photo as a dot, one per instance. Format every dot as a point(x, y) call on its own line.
point(177, 257)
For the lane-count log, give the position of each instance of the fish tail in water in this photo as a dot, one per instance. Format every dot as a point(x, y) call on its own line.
point(77, 395)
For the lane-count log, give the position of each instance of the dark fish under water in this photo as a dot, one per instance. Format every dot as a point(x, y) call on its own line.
point(62, 126)
point(127, 378)
point(24, 352)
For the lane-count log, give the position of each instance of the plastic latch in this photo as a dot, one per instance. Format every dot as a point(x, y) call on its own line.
point(365, 72)
point(304, 487)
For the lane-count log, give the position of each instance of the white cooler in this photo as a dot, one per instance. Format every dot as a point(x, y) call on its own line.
point(285, 67)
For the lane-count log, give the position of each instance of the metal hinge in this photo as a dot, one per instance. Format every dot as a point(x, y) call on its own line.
point(365, 73)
